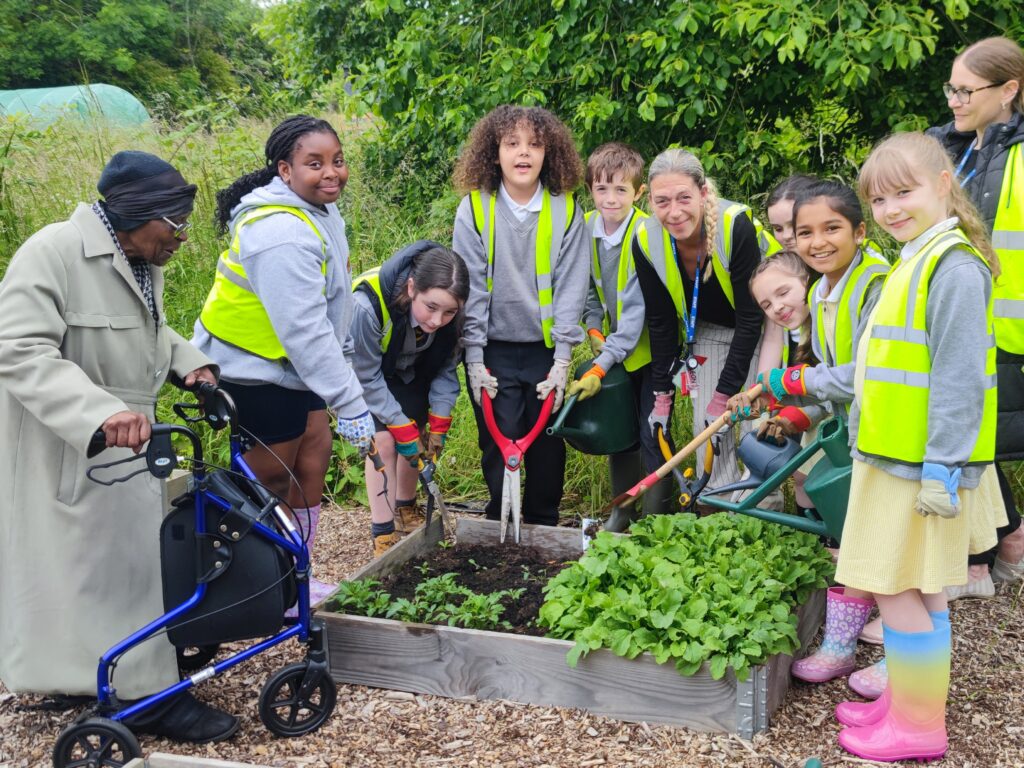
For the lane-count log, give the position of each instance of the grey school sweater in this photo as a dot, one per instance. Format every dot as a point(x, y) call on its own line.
point(624, 332)
point(512, 312)
point(282, 259)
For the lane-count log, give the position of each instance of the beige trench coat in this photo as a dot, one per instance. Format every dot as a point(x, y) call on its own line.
point(79, 562)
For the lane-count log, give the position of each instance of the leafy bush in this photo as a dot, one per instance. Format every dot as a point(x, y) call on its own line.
point(438, 600)
point(721, 589)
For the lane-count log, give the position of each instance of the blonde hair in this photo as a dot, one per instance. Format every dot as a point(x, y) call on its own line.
point(791, 263)
point(679, 161)
point(998, 60)
point(909, 159)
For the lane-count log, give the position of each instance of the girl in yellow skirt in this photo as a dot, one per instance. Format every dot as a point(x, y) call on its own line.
point(923, 432)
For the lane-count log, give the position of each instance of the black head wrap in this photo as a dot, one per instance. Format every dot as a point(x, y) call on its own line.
point(138, 187)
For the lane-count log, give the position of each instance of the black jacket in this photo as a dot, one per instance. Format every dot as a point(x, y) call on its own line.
point(984, 188)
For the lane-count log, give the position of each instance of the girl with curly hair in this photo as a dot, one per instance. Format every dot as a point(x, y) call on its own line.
point(522, 238)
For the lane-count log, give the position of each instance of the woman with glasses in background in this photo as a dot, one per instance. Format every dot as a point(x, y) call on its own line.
point(986, 141)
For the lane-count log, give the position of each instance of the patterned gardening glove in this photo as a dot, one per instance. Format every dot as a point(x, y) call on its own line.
point(938, 494)
point(784, 381)
point(718, 405)
point(358, 431)
point(661, 412)
point(596, 341)
point(588, 385)
point(437, 432)
point(789, 422)
point(407, 441)
point(555, 382)
point(480, 378)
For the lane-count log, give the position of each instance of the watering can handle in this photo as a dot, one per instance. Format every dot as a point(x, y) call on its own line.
point(566, 407)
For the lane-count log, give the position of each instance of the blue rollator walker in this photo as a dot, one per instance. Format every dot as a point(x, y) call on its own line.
point(232, 563)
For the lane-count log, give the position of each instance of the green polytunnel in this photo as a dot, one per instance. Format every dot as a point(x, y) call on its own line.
point(98, 100)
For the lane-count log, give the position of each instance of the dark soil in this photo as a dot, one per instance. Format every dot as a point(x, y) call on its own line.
point(485, 569)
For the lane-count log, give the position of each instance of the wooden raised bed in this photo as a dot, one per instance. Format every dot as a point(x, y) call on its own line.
point(460, 663)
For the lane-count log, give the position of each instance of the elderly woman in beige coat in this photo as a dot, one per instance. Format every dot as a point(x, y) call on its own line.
point(85, 345)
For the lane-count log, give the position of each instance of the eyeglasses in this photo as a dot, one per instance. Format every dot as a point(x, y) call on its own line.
point(963, 95)
point(180, 230)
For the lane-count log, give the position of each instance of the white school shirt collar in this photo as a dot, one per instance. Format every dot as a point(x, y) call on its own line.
point(911, 247)
point(522, 211)
point(837, 291)
point(610, 241)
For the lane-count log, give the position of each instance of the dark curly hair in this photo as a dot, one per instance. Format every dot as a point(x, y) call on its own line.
point(281, 145)
point(477, 166)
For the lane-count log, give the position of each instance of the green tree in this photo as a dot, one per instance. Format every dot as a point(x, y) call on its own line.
point(757, 87)
point(170, 53)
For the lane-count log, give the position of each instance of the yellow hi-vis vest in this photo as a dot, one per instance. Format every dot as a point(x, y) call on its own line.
point(894, 412)
point(1008, 242)
point(555, 217)
point(641, 354)
point(372, 278)
point(233, 312)
point(656, 244)
point(867, 266)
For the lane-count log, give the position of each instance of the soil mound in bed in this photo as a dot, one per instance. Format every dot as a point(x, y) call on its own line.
point(486, 569)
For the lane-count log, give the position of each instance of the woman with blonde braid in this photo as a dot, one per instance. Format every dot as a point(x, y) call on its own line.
point(694, 258)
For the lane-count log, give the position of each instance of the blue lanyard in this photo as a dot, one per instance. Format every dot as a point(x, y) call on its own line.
point(691, 322)
point(963, 162)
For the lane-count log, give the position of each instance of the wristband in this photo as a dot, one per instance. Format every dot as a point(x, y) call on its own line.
point(595, 333)
point(594, 370)
point(438, 425)
point(406, 437)
point(796, 417)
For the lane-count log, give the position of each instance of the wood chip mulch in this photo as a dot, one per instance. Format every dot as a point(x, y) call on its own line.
point(374, 728)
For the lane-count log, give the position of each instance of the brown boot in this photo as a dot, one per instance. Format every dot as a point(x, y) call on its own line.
point(409, 518)
point(383, 542)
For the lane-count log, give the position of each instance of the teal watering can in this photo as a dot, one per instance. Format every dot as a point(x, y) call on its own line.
point(604, 424)
point(827, 484)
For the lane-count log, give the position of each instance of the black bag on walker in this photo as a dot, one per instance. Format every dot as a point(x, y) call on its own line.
point(249, 584)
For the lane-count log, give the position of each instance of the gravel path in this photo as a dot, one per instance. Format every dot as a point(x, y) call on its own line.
point(376, 728)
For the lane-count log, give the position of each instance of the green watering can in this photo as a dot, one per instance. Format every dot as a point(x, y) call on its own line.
point(604, 424)
point(827, 484)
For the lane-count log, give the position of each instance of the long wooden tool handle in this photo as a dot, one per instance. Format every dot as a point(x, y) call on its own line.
point(640, 488)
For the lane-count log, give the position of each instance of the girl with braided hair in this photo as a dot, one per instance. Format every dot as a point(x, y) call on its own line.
point(694, 258)
point(277, 317)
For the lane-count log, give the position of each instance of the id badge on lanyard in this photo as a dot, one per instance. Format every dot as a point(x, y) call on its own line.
point(686, 369)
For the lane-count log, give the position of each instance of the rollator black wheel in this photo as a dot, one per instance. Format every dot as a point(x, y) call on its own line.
point(286, 711)
point(95, 743)
point(193, 657)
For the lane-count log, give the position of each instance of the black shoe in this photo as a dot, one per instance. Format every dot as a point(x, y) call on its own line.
point(185, 718)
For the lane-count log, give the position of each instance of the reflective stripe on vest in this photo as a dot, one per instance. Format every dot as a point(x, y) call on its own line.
point(867, 266)
point(656, 245)
point(894, 412)
point(555, 217)
point(641, 354)
point(1008, 241)
point(233, 312)
point(372, 278)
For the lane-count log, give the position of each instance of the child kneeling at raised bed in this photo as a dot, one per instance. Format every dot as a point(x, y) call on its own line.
point(405, 331)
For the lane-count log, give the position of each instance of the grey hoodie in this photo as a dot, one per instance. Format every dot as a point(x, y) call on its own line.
point(282, 258)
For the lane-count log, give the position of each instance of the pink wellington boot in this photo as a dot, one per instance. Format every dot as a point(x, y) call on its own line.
point(914, 726)
point(871, 681)
point(861, 713)
point(837, 656)
point(309, 521)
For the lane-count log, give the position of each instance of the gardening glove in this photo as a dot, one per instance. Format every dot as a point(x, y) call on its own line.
point(789, 422)
point(716, 407)
point(596, 341)
point(407, 441)
point(358, 431)
point(437, 432)
point(588, 385)
point(661, 412)
point(480, 378)
point(938, 494)
point(555, 382)
point(744, 407)
point(784, 381)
